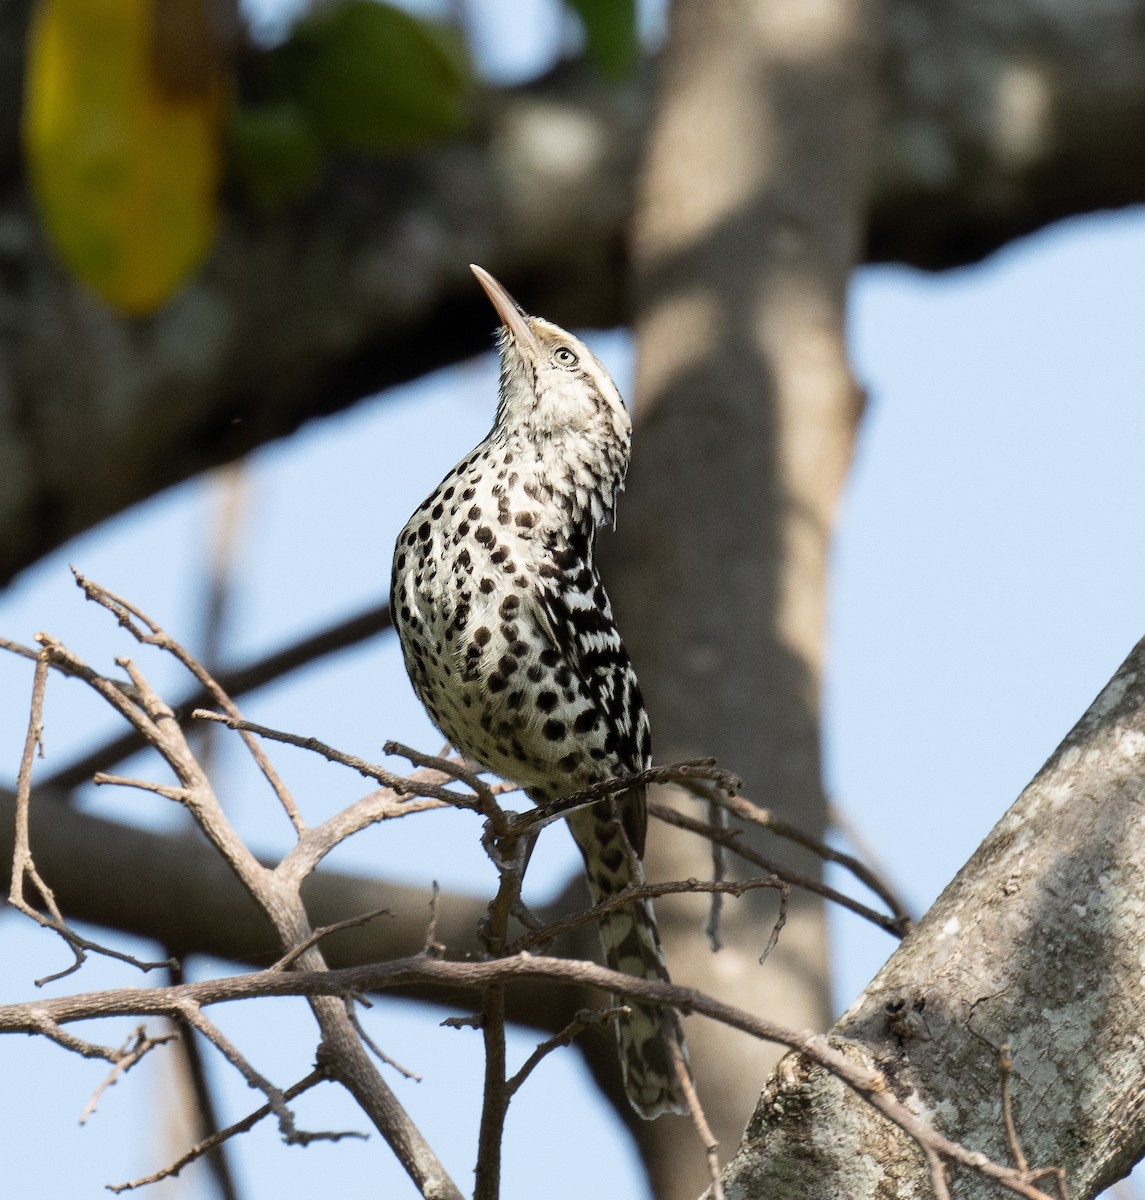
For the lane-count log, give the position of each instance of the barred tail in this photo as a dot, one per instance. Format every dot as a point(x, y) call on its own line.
point(649, 1038)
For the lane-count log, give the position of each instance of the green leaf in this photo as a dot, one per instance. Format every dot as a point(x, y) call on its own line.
point(275, 155)
point(610, 27)
point(373, 78)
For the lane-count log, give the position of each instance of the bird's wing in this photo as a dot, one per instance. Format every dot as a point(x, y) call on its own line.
point(585, 640)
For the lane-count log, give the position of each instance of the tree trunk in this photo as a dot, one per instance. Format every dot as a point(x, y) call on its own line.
point(749, 220)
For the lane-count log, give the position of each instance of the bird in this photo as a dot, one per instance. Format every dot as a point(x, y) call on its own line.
point(509, 640)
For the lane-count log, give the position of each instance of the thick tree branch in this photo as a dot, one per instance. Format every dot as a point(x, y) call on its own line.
point(1036, 945)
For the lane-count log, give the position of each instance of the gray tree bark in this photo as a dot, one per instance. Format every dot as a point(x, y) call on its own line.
point(749, 220)
point(1036, 943)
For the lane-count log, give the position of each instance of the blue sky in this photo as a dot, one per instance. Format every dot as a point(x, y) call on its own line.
point(987, 579)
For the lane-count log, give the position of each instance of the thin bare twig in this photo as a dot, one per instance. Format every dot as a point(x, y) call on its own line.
point(699, 1120)
point(375, 1049)
point(432, 946)
point(402, 785)
point(455, 768)
point(719, 819)
point(39, 1022)
point(748, 810)
point(1005, 1070)
point(289, 959)
point(733, 840)
point(141, 785)
point(777, 926)
point(466, 1021)
point(218, 1138)
point(937, 1169)
point(866, 855)
point(1005, 1067)
point(586, 1018)
point(546, 934)
point(132, 1051)
point(1054, 1173)
point(23, 866)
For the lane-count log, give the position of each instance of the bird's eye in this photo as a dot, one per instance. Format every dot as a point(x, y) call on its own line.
point(564, 357)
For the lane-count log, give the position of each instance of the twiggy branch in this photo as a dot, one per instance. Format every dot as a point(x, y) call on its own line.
point(346, 1058)
point(546, 934)
point(733, 840)
point(132, 618)
point(41, 1023)
point(72, 669)
point(238, 681)
point(24, 872)
point(865, 1081)
point(204, 1117)
point(720, 787)
point(194, 1017)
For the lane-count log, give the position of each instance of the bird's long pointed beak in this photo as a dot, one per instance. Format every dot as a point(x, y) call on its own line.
point(511, 313)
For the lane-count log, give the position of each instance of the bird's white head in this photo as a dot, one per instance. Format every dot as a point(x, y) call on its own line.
point(553, 387)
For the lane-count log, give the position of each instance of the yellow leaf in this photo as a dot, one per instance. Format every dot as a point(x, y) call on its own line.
point(123, 117)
